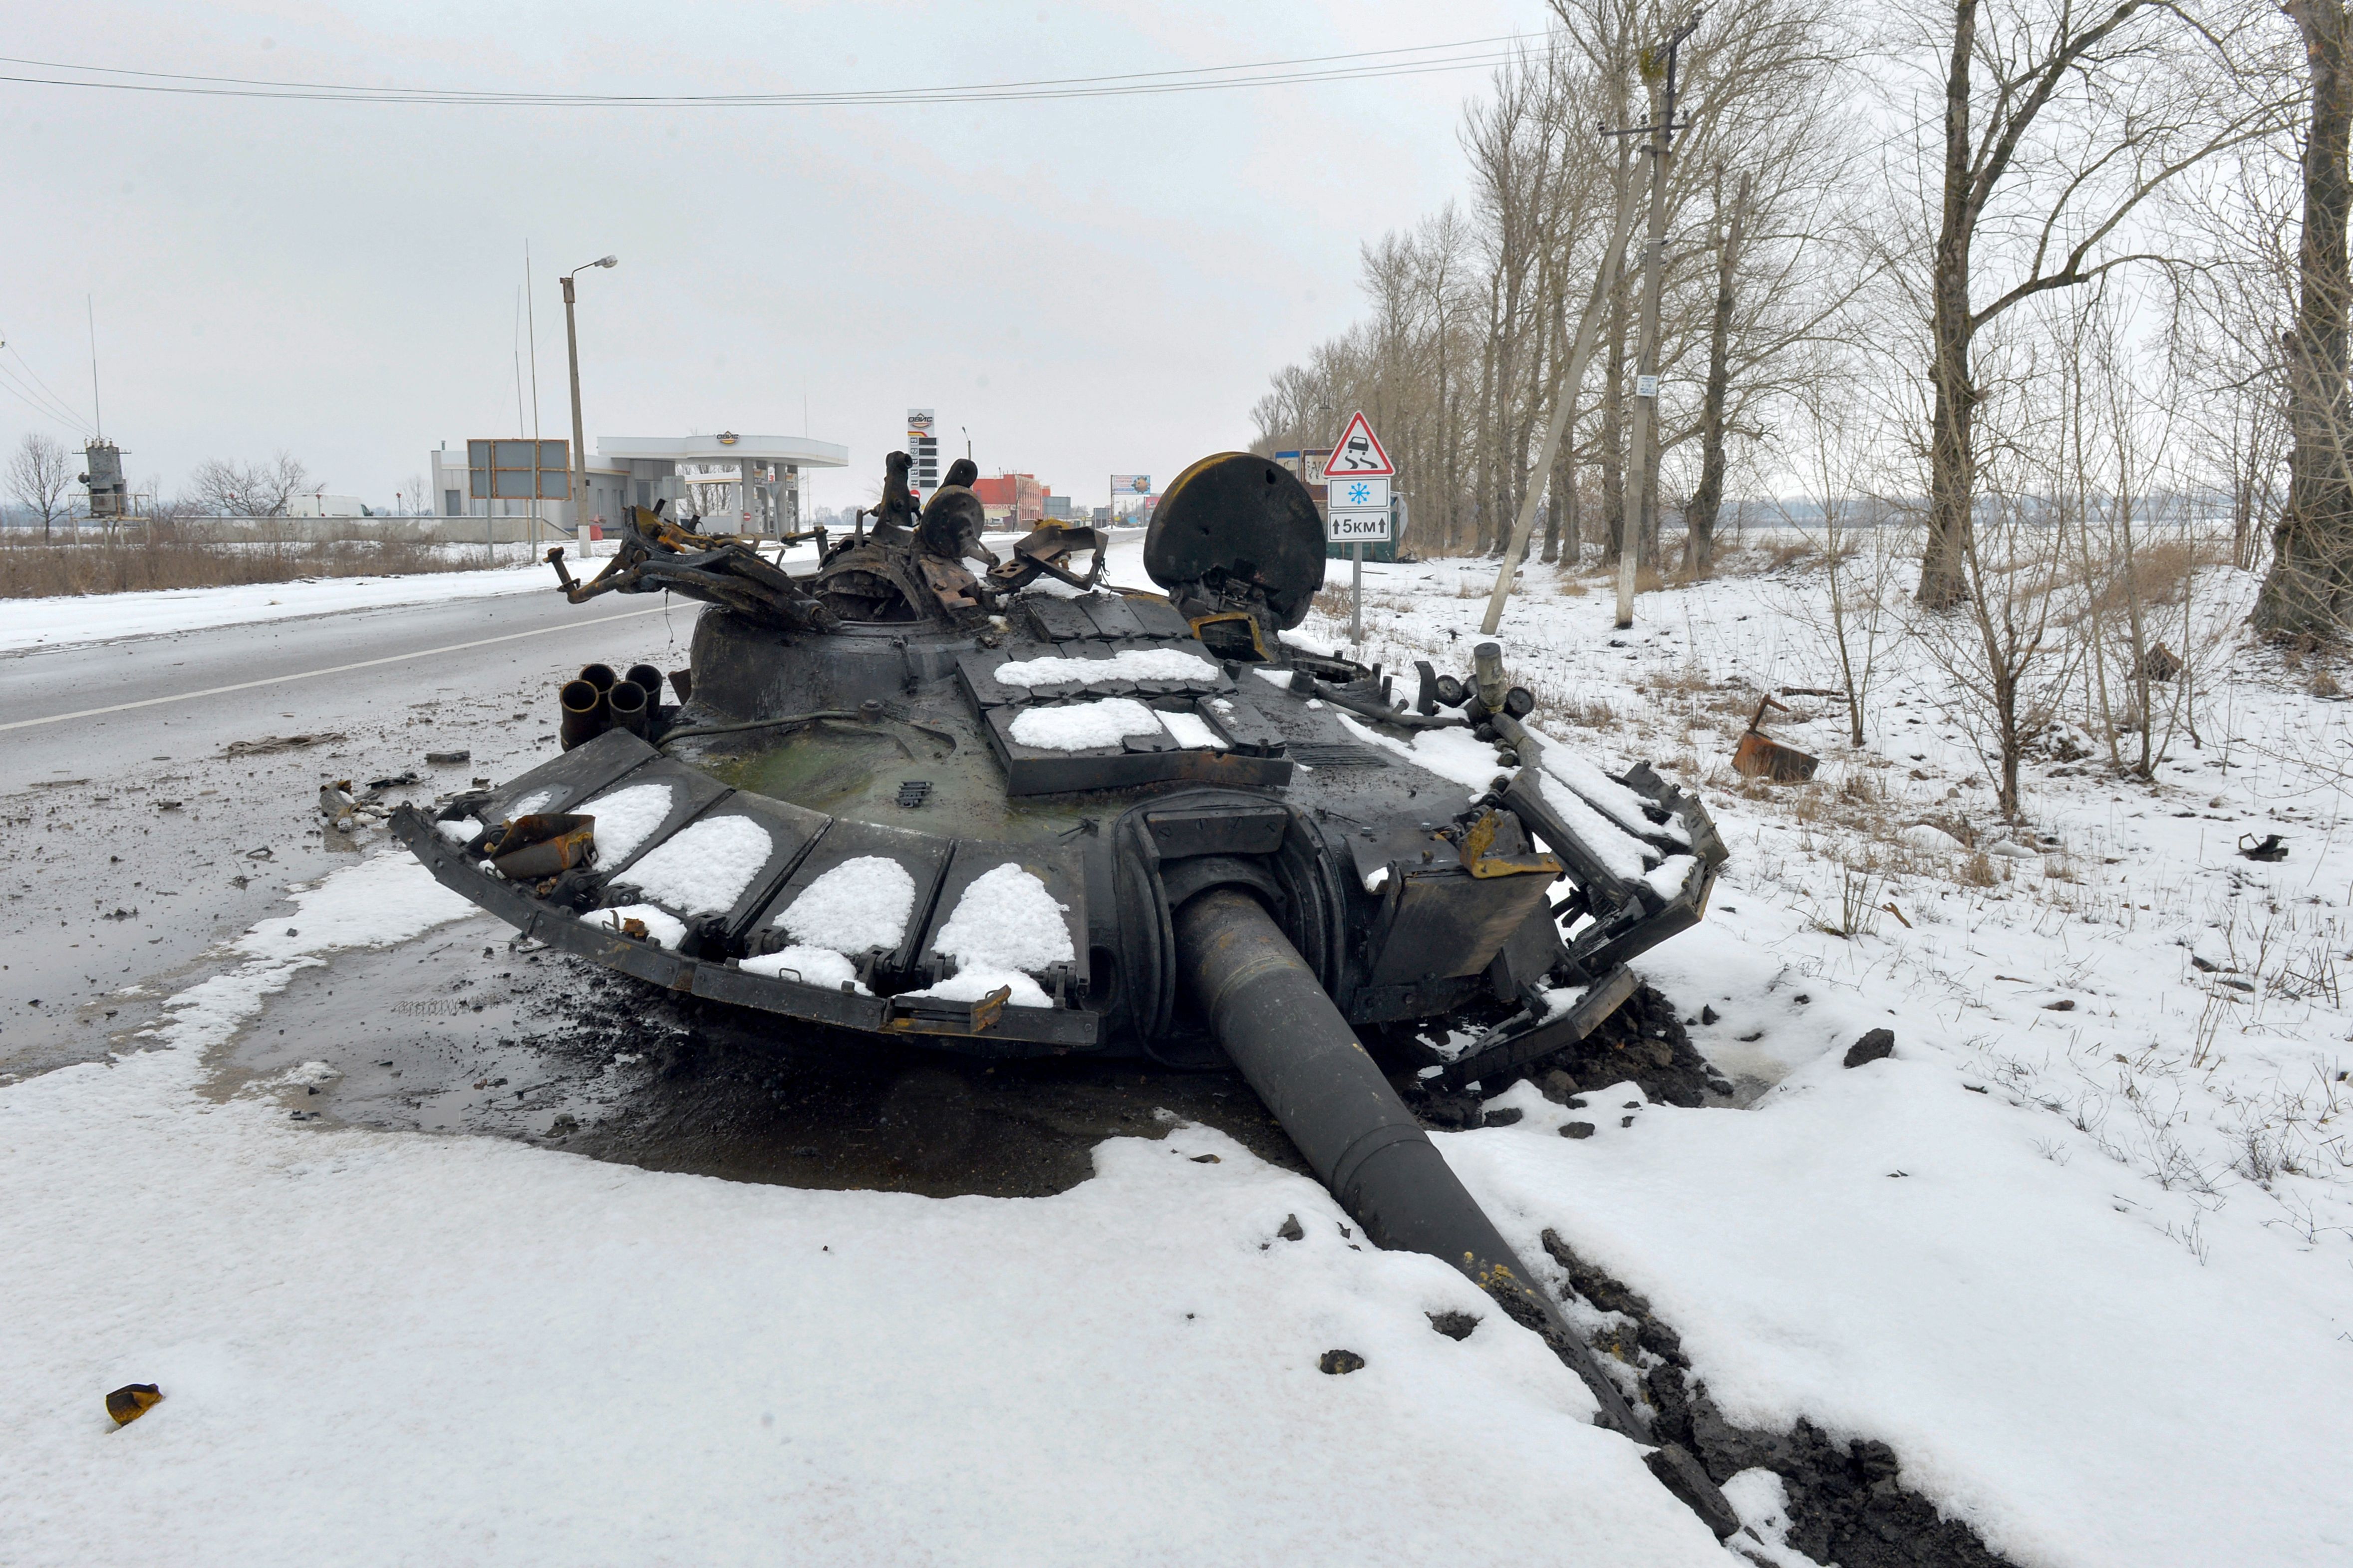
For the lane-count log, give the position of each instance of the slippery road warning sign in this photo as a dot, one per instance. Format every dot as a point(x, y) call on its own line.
point(1358, 455)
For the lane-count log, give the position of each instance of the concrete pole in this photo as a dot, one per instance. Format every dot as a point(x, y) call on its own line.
point(1641, 496)
point(579, 452)
point(530, 314)
point(1638, 497)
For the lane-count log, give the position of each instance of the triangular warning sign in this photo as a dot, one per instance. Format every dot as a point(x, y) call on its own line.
point(1357, 454)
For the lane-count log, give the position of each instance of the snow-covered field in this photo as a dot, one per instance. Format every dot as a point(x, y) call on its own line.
point(2088, 1269)
point(2083, 1249)
point(104, 618)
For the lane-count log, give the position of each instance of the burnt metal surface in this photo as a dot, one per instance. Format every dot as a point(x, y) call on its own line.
point(939, 736)
point(1232, 528)
point(1017, 815)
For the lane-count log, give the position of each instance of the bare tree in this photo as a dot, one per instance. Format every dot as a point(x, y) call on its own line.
point(39, 472)
point(2058, 123)
point(1472, 333)
point(2009, 659)
point(222, 488)
point(1832, 443)
point(1699, 517)
point(2310, 586)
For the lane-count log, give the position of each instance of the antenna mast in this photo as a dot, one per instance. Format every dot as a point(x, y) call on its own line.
point(98, 419)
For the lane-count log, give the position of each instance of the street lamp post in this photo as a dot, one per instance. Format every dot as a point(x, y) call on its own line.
point(572, 352)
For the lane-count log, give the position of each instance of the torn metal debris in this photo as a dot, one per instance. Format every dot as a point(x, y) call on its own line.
point(1758, 755)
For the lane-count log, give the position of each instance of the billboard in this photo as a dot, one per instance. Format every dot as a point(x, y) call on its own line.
point(1131, 484)
point(519, 471)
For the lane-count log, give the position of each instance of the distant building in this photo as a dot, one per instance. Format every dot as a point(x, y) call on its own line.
point(324, 505)
point(745, 484)
point(1060, 509)
point(1012, 500)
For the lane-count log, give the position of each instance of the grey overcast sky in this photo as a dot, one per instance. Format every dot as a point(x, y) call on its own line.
point(1088, 286)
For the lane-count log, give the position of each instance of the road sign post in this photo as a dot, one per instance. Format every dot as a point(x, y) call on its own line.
point(1357, 475)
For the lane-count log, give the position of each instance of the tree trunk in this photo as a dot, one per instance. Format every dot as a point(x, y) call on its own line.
point(1699, 517)
point(1952, 465)
point(1482, 437)
point(1613, 430)
point(2242, 486)
point(1556, 289)
point(2310, 586)
point(1560, 495)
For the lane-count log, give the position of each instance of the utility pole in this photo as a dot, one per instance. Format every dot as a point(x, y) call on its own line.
point(1641, 498)
point(531, 315)
point(572, 352)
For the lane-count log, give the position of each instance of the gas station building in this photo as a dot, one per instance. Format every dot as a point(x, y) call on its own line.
point(748, 484)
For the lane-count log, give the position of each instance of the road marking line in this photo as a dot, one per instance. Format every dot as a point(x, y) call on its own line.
point(330, 669)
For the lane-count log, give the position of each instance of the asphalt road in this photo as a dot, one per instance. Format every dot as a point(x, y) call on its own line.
point(159, 795)
point(144, 812)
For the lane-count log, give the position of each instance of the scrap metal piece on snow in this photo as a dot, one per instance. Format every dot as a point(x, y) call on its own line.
point(532, 847)
point(132, 1401)
point(1758, 755)
point(2272, 848)
point(1524, 1037)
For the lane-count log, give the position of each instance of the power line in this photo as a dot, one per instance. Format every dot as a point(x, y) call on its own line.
point(46, 409)
point(1368, 65)
point(46, 390)
point(39, 397)
point(49, 415)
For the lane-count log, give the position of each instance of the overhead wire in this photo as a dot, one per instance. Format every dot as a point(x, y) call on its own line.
point(1365, 65)
point(73, 415)
point(46, 413)
point(38, 396)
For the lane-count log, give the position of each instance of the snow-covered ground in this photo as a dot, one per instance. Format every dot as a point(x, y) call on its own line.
point(2089, 1270)
point(378, 1348)
point(2082, 1251)
point(104, 618)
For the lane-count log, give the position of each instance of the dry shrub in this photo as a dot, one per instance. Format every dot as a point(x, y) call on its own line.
point(1768, 554)
point(1954, 824)
point(2324, 684)
point(1978, 871)
point(1686, 680)
point(1861, 787)
point(2161, 573)
point(1732, 700)
point(173, 555)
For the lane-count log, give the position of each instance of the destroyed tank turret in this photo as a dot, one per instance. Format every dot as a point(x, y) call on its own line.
point(1003, 808)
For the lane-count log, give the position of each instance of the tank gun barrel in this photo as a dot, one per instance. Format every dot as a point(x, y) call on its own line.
point(1277, 1025)
point(1266, 1008)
